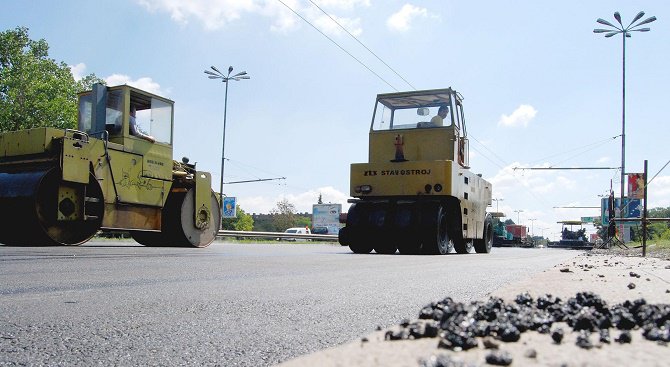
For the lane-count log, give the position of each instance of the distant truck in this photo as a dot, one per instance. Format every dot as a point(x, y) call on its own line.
point(519, 232)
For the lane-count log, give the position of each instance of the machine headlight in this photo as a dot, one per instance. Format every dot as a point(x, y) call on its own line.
point(364, 189)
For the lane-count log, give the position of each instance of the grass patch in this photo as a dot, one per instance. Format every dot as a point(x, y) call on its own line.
point(655, 243)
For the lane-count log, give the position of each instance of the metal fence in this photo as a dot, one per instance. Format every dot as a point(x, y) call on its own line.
point(277, 235)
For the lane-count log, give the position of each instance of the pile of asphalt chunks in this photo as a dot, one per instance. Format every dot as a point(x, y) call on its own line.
point(459, 325)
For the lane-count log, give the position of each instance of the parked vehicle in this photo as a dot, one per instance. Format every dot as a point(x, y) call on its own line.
point(320, 230)
point(296, 230)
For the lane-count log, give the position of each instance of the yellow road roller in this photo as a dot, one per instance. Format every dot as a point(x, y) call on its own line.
point(115, 171)
point(416, 194)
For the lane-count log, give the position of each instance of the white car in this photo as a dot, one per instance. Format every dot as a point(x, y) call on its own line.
point(298, 230)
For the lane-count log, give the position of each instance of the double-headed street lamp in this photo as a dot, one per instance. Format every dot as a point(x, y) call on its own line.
point(626, 33)
point(518, 215)
point(497, 200)
point(216, 74)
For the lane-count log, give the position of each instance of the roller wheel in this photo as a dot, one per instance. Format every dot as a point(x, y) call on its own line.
point(463, 246)
point(42, 210)
point(357, 234)
point(407, 234)
point(178, 224)
point(436, 239)
point(379, 229)
point(483, 246)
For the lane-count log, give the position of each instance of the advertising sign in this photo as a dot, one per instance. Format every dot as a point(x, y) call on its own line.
point(229, 207)
point(327, 215)
point(633, 210)
point(636, 185)
point(588, 219)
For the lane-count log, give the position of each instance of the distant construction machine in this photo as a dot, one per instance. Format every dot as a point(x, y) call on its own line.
point(417, 194)
point(571, 238)
point(60, 186)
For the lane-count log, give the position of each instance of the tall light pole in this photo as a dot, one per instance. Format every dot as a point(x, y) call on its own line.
point(497, 200)
point(625, 33)
point(543, 231)
point(216, 74)
point(532, 221)
point(518, 215)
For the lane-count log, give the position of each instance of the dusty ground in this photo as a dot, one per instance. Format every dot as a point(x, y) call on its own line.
point(604, 272)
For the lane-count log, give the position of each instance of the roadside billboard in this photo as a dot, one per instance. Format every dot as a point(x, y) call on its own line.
point(229, 207)
point(636, 185)
point(327, 215)
point(633, 210)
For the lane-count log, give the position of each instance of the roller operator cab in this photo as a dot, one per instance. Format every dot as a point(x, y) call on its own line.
point(116, 171)
point(417, 194)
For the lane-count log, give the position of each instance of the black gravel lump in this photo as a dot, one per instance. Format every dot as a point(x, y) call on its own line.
point(443, 360)
point(557, 335)
point(499, 358)
point(458, 324)
point(584, 340)
point(605, 336)
point(457, 341)
point(624, 337)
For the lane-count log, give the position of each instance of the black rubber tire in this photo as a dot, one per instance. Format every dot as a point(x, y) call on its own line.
point(463, 246)
point(358, 233)
point(435, 225)
point(405, 223)
point(380, 232)
point(483, 246)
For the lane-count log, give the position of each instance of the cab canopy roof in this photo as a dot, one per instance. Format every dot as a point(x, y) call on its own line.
point(571, 222)
point(421, 98)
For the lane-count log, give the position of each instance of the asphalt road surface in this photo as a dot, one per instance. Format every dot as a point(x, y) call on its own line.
point(119, 303)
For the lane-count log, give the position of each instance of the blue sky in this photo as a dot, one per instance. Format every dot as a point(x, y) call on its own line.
point(540, 88)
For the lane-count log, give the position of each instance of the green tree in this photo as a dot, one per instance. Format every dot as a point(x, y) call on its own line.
point(243, 221)
point(283, 216)
point(659, 212)
point(35, 90)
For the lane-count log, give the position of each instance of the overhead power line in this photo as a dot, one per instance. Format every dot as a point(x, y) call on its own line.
point(581, 150)
point(657, 173)
point(338, 45)
point(562, 168)
point(361, 43)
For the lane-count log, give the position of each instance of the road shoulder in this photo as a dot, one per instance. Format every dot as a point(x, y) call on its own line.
point(615, 278)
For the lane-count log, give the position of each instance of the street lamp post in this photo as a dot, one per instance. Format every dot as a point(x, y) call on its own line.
point(216, 74)
point(532, 221)
point(543, 231)
point(518, 215)
point(626, 33)
point(497, 200)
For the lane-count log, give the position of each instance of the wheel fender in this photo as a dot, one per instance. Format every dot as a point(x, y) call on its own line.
point(202, 214)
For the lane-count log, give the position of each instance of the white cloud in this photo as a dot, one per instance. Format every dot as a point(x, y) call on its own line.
point(145, 83)
point(520, 117)
point(401, 20)
point(604, 160)
point(343, 4)
point(327, 25)
point(658, 192)
point(78, 70)
point(215, 14)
